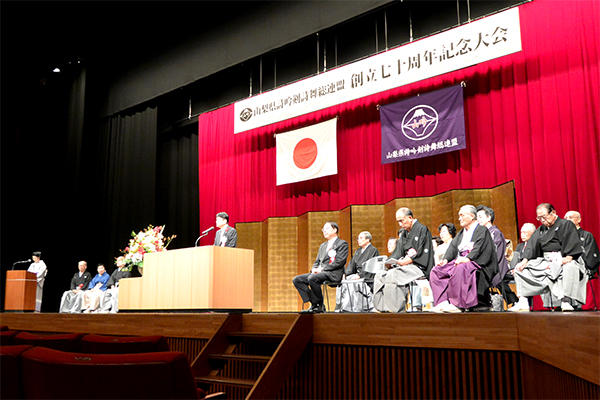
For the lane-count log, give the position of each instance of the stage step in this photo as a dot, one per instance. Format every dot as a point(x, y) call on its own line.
point(240, 357)
point(255, 337)
point(248, 351)
point(213, 380)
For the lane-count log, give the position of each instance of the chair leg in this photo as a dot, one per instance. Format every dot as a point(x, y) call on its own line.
point(593, 295)
point(326, 295)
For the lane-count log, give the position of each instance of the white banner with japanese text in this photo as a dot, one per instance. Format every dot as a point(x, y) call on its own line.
point(482, 40)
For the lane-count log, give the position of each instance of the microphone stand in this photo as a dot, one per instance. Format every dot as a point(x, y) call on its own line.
point(19, 262)
point(200, 237)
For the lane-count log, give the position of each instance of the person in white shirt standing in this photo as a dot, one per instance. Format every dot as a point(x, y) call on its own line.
point(38, 267)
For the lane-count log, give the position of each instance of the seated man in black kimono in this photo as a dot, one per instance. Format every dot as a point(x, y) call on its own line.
point(414, 255)
point(355, 292)
point(552, 265)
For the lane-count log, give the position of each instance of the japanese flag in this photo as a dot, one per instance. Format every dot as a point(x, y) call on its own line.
point(307, 153)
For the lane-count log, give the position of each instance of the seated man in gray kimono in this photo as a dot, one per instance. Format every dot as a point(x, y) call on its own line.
point(109, 302)
point(414, 255)
point(552, 265)
point(355, 292)
point(72, 299)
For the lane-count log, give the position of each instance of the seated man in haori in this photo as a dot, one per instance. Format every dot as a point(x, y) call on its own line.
point(552, 265)
point(454, 281)
point(109, 302)
point(414, 255)
point(355, 292)
point(96, 288)
point(72, 299)
point(486, 217)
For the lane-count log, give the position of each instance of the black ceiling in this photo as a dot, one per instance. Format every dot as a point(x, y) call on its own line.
point(39, 36)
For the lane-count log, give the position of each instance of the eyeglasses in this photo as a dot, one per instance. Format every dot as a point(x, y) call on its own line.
point(542, 217)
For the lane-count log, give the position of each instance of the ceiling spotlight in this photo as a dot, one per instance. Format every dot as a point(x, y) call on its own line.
point(56, 70)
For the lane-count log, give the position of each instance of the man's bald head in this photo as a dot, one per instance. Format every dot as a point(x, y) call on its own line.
point(574, 217)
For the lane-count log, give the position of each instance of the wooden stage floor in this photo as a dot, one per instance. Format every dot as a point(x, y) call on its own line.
point(569, 341)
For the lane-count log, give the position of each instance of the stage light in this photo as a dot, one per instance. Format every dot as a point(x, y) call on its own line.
point(56, 70)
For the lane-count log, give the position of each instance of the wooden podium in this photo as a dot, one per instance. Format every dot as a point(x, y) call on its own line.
point(198, 278)
point(21, 289)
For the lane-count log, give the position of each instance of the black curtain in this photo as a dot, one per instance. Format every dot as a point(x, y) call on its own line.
point(126, 177)
point(44, 208)
point(177, 185)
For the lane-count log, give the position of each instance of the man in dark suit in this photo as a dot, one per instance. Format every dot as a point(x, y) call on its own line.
point(226, 235)
point(329, 266)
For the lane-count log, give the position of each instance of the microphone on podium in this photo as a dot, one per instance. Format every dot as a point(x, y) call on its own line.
point(204, 233)
point(20, 262)
point(208, 230)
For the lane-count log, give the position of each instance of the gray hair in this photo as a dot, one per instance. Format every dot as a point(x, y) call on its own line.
point(367, 235)
point(469, 209)
point(405, 211)
point(529, 226)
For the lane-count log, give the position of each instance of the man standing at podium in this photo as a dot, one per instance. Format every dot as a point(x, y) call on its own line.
point(329, 266)
point(38, 267)
point(226, 235)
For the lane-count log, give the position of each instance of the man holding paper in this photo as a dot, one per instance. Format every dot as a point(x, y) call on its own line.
point(415, 250)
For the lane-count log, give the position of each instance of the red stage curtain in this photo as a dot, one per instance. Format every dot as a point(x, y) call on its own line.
point(531, 117)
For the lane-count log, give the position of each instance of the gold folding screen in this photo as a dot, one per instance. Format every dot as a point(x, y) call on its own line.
point(286, 247)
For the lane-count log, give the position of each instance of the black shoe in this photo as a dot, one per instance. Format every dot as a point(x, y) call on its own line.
point(309, 310)
point(319, 308)
point(481, 309)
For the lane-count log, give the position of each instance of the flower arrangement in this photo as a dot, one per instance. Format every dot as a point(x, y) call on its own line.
point(150, 240)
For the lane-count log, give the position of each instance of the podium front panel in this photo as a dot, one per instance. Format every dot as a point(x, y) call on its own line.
point(200, 278)
point(21, 287)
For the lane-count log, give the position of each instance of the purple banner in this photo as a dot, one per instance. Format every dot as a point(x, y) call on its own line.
point(423, 126)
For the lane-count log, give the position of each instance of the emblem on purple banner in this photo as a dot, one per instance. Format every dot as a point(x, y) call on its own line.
point(423, 126)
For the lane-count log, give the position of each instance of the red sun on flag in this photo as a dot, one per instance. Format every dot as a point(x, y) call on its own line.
point(305, 153)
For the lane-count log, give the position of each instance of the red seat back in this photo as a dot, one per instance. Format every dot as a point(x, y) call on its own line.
point(63, 342)
point(10, 377)
point(52, 374)
point(97, 344)
point(7, 337)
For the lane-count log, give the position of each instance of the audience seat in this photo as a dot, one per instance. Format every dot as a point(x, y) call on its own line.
point(7, 337)
point(10, 378)
point(98, 344)
point(3, 328)
point(53, 374)
point(63, 342)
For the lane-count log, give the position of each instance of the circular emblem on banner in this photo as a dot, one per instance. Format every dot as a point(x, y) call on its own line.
point(305, 153)
point(246, 114)
point(419, 122)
